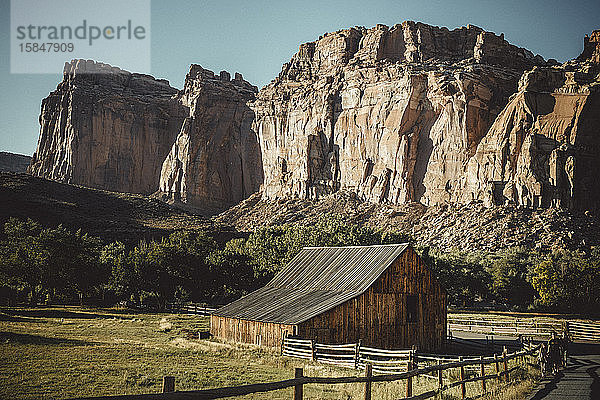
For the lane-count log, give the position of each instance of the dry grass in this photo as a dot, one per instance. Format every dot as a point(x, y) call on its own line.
point(69, 352)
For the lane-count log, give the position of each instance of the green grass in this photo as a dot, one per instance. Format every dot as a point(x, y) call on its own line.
point(71, 352)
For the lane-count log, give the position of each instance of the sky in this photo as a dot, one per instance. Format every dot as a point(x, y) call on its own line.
point(256, 37)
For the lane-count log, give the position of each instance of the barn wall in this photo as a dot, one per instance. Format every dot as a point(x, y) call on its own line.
point(378, 316)
point(243, 331)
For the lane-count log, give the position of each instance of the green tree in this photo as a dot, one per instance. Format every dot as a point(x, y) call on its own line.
point(569, 281)
point(22, 259)
point(509, 273)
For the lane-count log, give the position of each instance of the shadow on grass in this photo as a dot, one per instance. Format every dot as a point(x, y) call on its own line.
point(53, 313)
point(23, 338)
point(13, 318)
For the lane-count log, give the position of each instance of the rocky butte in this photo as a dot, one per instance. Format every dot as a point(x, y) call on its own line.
point(215, 160)
point(409, 113)
point(107, 128)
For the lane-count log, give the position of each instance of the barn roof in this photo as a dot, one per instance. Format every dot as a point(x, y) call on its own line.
point(316, 280)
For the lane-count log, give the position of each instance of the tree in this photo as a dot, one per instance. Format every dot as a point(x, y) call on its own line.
point(462, 275)
point(22, 259)
point(509, 273)
point(569, 281)
point(270, 248)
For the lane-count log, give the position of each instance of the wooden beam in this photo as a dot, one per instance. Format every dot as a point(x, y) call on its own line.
point(463, 387)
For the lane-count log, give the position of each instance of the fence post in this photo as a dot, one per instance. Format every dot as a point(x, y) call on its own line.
point(299, 388)
point(368, 374)
point(415, 357)
point(168, 384)
point(497, 367)
point(440, 375)
point(283, 341)
point(463, 387)
point(409, 367)
point(313, 349)
point(357, 354)
point(482, 375)
point(505, 362)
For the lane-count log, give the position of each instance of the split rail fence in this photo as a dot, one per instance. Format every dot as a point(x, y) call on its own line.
point(484, 369)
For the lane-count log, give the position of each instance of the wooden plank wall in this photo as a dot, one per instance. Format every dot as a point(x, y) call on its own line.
point(243, 331)
point(378, 316)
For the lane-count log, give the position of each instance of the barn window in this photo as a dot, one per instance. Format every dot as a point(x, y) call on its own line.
point(411, 308)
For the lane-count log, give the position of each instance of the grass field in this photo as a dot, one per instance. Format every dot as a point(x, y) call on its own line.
point(68, 352)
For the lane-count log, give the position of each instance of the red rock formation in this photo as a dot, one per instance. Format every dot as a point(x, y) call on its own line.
point(107, 128)
point(591, 48)
point(542, 150)
point(411, 113)
point(393, 114)
point(215, 160)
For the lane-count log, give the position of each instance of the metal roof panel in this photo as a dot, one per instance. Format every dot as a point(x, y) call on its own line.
point(316, 280)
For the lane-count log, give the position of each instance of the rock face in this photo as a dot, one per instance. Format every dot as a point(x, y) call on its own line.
point(107, 128)
point(110, 129)
point(10, 162)
point(416, 113)
point(411, 113)
point(215, 160)
point(393, 114)
point(591, 48)
point(542, 150)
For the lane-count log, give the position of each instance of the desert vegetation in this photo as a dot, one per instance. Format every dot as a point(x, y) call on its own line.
point(56, 266)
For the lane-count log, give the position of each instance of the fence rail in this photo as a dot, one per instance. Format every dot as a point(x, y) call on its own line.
point(542, 329)
point(584, 330)
point(190, 308)
point(577, 330)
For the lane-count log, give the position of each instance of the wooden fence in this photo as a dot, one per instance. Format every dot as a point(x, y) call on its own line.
point(351, 355)
point(577, 330)
point(516, 327)
point(190, 308)
point(589, 331)
point(499, 366)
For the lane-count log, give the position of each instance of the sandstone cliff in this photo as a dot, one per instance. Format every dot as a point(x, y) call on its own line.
point(411, 113)
point(392, 114)
point(107, 128)
point(215, 160)
point(591, 48)
point(416, 113)
point(542, 150)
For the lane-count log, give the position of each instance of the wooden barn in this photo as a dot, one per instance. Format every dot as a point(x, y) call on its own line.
point(383, 295)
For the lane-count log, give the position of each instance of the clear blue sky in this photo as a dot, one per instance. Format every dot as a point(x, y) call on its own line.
point(257, 37)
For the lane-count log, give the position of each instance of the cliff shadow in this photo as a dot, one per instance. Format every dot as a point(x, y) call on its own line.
point(424, 125)
point(108, 215)
point(586, 188)
point(251, 161)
